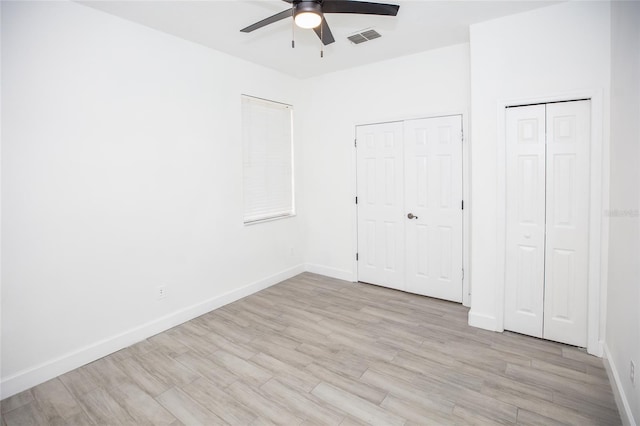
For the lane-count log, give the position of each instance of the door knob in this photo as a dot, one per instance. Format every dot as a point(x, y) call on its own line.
point(411, 216)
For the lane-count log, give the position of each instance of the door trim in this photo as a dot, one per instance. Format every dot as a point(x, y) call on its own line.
point(466, 217)
point(598, 203)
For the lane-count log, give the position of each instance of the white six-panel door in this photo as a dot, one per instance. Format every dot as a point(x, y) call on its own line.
point(525, 216)
point(567, 245)
point(380, 184)
point(413, 167)
point(433, 194)
point(547, 220)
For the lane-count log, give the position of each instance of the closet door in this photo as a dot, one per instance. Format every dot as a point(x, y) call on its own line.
point(381, 219)
point(433, 196)
point(567, 243)
point(525, 219)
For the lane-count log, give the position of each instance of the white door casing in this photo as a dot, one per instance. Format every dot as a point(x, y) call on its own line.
point(433, 194)
point(421, 160)
point(567, 242)
point(525, 217)
point(380, 205)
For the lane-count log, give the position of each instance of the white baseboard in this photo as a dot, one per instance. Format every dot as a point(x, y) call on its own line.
point(484, 321)
point(26, 379)
point(330, 272)
point(618, 391)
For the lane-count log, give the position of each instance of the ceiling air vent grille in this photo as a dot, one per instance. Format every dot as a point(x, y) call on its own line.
point(364, 35)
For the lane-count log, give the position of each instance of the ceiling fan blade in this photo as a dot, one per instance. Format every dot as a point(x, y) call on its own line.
point(327, 37)
point(361, 7)
point(270, 20)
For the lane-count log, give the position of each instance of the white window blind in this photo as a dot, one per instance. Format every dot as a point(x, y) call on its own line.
point(267, 159)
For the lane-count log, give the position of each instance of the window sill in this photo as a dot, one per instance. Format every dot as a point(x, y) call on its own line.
point(269, 219)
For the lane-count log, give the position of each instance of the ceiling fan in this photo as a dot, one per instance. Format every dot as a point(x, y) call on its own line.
point(310, 14)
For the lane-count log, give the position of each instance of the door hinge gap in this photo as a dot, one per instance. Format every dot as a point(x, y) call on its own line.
point(462, 204)
point(356, 200)
point(356, 256)
point(355, 143)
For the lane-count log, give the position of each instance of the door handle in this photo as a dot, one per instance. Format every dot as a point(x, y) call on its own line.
point(411, 216)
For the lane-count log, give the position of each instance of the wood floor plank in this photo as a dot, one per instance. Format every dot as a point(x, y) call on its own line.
point(260, 405)
point(314, 350)
point(193, 341)
point(594, 393)
point(215, 398)
point(355, 406)
point(166, 344)
point(102, 408)
point(529, 418)
point(167, 369)
point(206, 367)
point(542, 407)
point(56, 402)
point(142, 377)
point(28, 414)
point(247, 370)
point(302, 404)
point(359, 388)
point(16, 401)
point(144, 409)
point(79, 382)
point(225, 344)
point(185, 409)
point(291, 376)
point(427, 399)
point(418, 413)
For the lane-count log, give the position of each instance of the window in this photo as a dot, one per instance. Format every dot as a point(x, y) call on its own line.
point(267, 159)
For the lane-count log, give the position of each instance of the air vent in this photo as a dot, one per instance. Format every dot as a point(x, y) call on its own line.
point(364, 35)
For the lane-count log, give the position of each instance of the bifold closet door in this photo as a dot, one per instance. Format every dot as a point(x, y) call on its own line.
point(525, 219)
point(380, 182)
point(567, 213)
point(547, 220)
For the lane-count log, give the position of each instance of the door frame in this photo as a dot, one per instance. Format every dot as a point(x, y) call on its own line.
point(466, 282)
point(598, 203)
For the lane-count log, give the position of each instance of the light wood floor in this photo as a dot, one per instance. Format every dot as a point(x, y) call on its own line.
point(314, 350)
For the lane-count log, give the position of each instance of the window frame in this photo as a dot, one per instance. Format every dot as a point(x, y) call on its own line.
point(273, 216)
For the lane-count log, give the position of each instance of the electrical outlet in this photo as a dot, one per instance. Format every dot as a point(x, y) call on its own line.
point(632, 372)
point(161, 292)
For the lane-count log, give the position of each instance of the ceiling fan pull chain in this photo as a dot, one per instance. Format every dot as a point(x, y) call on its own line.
point(293, 27)
point(321, 39)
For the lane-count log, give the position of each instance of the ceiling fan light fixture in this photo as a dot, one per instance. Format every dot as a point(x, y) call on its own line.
point(308, 19)
point(308, 14)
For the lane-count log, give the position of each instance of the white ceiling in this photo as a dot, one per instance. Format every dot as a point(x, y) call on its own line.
point(419, 26)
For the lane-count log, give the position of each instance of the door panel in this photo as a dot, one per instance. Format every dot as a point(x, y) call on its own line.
point(433, 193)
point(525, 219)
point(380, 181)
point(566, 276)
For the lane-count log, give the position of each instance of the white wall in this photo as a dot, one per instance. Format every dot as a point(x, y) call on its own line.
point(121, 172)
point(623, 319)
point(537, 55)
point(421, 85)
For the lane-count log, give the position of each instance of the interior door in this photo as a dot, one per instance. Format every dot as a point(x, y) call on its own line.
point(547, 220)
point(567, 212)
point(525, 217)
point(433, 197)
point(380, 181)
